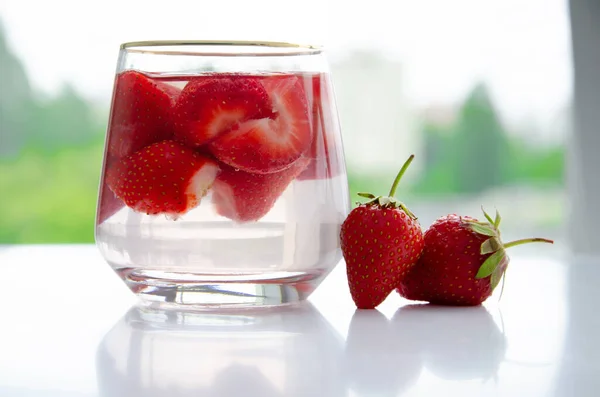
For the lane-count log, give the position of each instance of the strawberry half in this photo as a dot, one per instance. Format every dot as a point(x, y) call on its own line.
point(209, 106)
point(380, 240)
point(325, 158)
point(163, 178)
point(108, 205)
point(245, 197)
point(270, 144)
point(141, 113)
point(462, 263)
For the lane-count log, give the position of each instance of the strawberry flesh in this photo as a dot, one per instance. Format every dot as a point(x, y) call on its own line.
point(109, 204)
point(325, 159)
point(163, 178)
point(445, 273)
point(141, 113)
point(209, 106)
point(270, 144)
point(245, 197)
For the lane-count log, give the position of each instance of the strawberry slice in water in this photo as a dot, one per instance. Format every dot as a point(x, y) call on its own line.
point(326, 158)
point(270, 144)
point(141, 113)
point(245, 197)
point(210, 105)
point(163, 178)
point(108, 205)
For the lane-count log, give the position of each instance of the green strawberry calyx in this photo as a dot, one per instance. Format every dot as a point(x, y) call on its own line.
point(495, 265)
point(390, 201)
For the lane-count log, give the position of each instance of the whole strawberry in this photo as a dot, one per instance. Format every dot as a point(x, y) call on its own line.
point(381, 240)
point(462, 262)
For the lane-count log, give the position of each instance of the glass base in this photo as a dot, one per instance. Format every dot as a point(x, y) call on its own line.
point(161, 289)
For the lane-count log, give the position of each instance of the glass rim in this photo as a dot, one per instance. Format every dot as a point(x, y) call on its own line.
point(269, 48)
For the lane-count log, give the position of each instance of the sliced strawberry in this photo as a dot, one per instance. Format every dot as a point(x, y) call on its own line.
point(270, 144)
point(163, 178)
point(325, 156)
point(209, 106)
point(109, 204)
point(171, 91)
point(141, 113)
point(244, 197)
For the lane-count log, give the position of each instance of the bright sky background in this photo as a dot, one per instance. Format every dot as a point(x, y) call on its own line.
point(521, 47)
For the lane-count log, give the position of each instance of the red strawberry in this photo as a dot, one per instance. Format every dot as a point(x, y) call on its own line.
point(140, 113)
point(244, 197)
point(314, 96)
point(163, 178)
point(462, 262)
point(270, 145)
point(381, 240)
point(172, 92)
point(210, 106)
point(324, 152)
point(108, 205)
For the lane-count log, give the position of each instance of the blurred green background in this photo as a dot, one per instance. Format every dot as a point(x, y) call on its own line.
point(51, 151)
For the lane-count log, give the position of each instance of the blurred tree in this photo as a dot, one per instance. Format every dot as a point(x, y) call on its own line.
point(50, 159)
point(536, 164)
point(441, 161)
point(16, 99)
point(64, 121)
point(476, 153)
point(481, 144)
point(50, 198)
point(25, 120)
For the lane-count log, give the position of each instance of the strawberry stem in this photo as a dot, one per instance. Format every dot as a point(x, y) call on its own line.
point(399, 176)
point(528, 240)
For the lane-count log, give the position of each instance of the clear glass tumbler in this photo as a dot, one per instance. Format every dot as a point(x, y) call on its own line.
point(223, 180)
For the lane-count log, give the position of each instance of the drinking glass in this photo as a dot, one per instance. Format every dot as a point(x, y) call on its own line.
point(223, 180)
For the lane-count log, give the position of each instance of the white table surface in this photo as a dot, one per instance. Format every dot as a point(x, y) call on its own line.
point(69, 328)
